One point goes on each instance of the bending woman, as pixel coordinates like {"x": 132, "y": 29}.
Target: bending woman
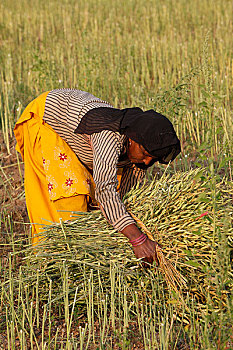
{"x": 74, "y": 145}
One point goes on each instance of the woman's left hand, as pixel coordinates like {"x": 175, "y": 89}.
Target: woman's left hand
{"x": 147, "y": 252}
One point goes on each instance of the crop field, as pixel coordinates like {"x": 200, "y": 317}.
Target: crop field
{"x": 83, "y": 288}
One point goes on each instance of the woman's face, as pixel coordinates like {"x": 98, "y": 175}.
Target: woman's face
{"x": 138, "y": 154}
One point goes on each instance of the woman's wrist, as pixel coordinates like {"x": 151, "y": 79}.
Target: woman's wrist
{"x": 138, "y": 241}
{"x": 132, "y": 232}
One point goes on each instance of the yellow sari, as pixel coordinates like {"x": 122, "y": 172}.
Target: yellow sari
{"x": 55, "y": 180}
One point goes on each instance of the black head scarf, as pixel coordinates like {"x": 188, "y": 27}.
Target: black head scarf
{"x": 150, "y": 129}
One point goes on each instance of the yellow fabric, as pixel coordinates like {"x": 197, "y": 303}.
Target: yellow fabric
{"x": 65, "y": 175}
{"x": 55, "y": 180}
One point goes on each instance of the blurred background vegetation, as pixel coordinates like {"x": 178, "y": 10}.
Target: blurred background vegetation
{"x": 172, "y": 56}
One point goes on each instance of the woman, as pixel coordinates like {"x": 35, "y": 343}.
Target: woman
{"x": 72, "y": 141}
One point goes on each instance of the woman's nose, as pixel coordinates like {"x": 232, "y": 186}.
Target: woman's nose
{"x": 147, "y": 160}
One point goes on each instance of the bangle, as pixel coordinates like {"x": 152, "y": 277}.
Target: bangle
{"x": 138, "y": 241}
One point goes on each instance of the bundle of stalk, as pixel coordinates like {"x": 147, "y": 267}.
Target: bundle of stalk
{"x": 187, "y": 213}
{"x": 173, "y": 278}
{"x": 190, "y": 215}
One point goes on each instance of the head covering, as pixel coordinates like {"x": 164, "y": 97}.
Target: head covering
{"x": 150, "y": 129}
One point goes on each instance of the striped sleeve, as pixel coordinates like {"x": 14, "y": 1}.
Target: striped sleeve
{"x": 107, "y": 147}
{"x": 131, "y": 176}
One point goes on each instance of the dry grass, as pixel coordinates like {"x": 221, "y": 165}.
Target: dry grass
{"x": 172, "y": 56}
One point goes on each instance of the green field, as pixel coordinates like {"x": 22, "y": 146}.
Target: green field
{"x": 175, "y": 57}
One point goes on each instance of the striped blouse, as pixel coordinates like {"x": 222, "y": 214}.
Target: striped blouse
{"x": 102, "y": 153}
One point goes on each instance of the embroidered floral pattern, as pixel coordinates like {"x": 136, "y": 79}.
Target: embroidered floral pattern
{"x": 86, "y": 183}
{"x": 50, "y": 186}
{"x": 65, "y": 175}
{"x": 69, "y": 182}
{"x": 62, "y": 156}
{"x": 46, "y": 163}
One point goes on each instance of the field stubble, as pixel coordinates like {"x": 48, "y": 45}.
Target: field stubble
{"x": 172, "y": 57}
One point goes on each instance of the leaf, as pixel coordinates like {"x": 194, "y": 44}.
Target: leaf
{"x": 199, "y": 175}
{"x": 223, "y": 162}
{"x": 209, "y": 219}
{"x": 205, "y": 93}
{"x": 218, "y": 96}
{"x": 203, "y": 198}
{"x": 188, "y": 252}
{"x": 198, "y": 164}
{"x": 199, "y": 233}
{"x": 192, "y": 263}
{"x": 173, "y": 301}
{"x": 204, "y": 146}
{"x": 218, "y": 195}
{"x": 203, "y": 104}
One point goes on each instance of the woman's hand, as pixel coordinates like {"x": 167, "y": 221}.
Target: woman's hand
{"x": 147, "y": 252}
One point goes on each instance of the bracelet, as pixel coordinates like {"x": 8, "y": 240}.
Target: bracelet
{"x": 138, "y": 241}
